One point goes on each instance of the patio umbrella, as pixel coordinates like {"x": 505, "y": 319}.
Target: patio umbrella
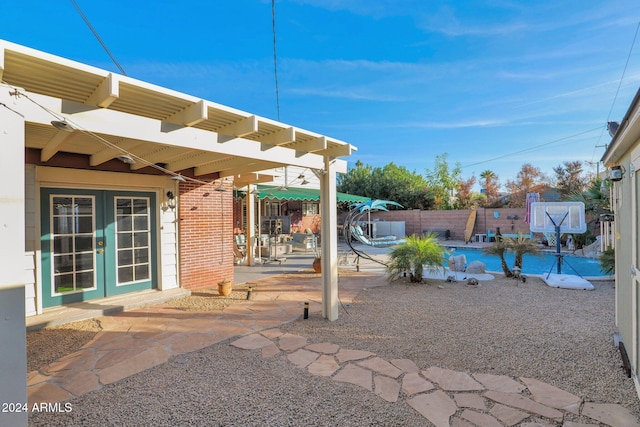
{"x": 531, "y": 198}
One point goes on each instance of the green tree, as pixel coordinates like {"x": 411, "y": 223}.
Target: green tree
{"x": 444, "y": 182}
{"x": 595, "y": 197}
{"x": 414, "y": 255}
{"x": 570, "y": 178}
{"x": 390, "y": 182}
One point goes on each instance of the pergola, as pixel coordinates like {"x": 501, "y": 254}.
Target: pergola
{"x": 51, "y": 106}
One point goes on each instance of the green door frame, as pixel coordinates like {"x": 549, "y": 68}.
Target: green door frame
{"x": 104, "y": 245}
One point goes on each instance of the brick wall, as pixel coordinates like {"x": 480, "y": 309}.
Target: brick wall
{"x": 206, "y": 233}
{"x": 416, "y": 221}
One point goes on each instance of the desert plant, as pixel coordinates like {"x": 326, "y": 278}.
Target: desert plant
{"x": 521, "y": 245}
{"x": 499, "y": 248}
{"x": 414, "y": 255}
{"x": 608, "y": 261}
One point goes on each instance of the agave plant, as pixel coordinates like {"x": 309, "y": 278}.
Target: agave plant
{"x": 499, "y": 248}
{"x": 415, "y": 255}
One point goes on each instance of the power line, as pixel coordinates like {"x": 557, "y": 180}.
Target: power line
{"x": 532, "y": 148}
{"x": 97, "y": 36}
{"x": 626, "y": 64}
{"x": 275, "y": 60}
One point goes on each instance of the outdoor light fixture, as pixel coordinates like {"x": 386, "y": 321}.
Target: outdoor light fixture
{"x": 62, "y": 125}
{"x": 178, "y": 178}
{"x": 516, "y": 272}
{"x": 171, "y": 203}
{"x": 616, "y": 173}
{"x": 255, "y": 192}
{"x": 607, "y": 217}
{"x": 125, "y": 158}
{"x": 304, "y": 182}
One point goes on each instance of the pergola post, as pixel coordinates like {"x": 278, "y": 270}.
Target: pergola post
{"x": 251, "y": 225}
{"x": 329, "y": 240}
{"x": 13, "y": 364}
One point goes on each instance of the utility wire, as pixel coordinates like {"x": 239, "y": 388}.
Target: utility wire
{"x": 531, "y": 148}
{"x": 97, "y": 36}
{"x": 626, "y": 64}
{"x": 275, "y": 57}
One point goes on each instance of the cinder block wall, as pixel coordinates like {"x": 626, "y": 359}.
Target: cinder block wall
{"x": 206, "y": 233}
{"x": 417, "y": 221}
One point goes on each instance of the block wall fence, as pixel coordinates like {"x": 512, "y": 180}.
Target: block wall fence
{"x": 417, "y": 221}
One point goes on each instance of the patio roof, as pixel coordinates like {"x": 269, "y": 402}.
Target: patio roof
{"x": 156, "y": 126}
{"x": 297, "y": 193}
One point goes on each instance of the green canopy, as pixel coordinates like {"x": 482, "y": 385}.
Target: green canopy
{"x": 308, "y": 194}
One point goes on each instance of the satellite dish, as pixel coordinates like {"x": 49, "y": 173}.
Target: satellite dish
{"x": 613, "y": 127}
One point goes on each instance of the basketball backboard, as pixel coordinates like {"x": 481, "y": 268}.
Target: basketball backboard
{"x": 545, "y": 216}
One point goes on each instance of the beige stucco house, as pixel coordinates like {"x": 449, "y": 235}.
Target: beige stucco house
{"x": 622, "y": 159}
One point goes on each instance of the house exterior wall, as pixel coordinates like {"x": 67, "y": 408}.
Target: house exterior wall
{"x": 37, "y": 177}
{"x": 624, "y": 153}
{"x": 13, "y": 363}
{"x": 206, "y": 234}
{"x": 622, "y": 198}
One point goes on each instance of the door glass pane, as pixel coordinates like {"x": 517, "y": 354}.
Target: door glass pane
{"x": 140, "y": 239}
{"x": 84, "y": 224}
{"x": 125, "y": 274}
{"x": 72, "y": 244}
{"x": 132, "y": 239}
{"x": 140, "y": 223}
{"x": 63, "y": 263}
{"x": 84, "y": 243}
{"x": 123, "y": 206}
{"x": 141, "y": 256}
{"x": 63, "y": 244}
{"x": 84, "y": 261}
{"x": 63, "y": 283}
{"x": 142, "y": 272}
{"x": 124, "y": 223}
{"x": 125, "y": 257}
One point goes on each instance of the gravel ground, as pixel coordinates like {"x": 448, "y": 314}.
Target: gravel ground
{"x": 50, "y": 344}
{"x": 561, "y": 337}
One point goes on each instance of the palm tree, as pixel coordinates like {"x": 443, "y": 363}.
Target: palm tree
{"x": 522, "y": 245}
{"x": 499, "y": 248}
{"x": 414, "y": 255}
{"x": 491, "y": 186}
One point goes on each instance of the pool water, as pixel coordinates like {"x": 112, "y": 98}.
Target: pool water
{"x": 534, "y": 264}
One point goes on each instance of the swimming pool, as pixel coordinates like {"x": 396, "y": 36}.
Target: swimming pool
{"x": 534, "y": 264}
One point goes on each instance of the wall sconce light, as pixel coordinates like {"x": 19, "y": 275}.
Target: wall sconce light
{"x": 616, "y": 173}
{"x": 171, "y": 202}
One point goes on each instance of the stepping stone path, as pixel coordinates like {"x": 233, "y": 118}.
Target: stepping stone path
{"x": 442, "y": 396}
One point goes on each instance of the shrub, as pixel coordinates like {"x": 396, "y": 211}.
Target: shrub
{"x": 608, "y": 261}
{"x": 414, "y": 255}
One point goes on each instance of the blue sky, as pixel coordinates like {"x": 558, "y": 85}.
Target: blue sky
{"x": 494, "y": 84}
